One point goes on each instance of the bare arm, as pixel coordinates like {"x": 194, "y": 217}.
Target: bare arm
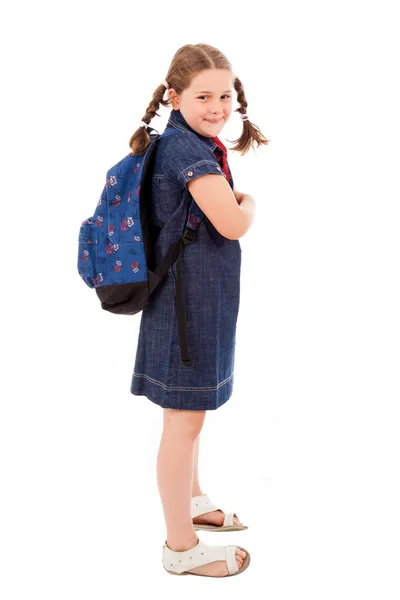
{"x": 248, "y": 207}
{"x": 238, "y": 195}
{"x": 218, "y": 201}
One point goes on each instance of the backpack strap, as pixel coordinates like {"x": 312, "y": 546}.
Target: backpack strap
{"x": 194, "y": 218}
{"x": 175, "y": 253}
{"x": 193, "y": 221}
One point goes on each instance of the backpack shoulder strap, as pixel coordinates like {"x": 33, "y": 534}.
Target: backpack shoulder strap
{"x": 195, "y": 215}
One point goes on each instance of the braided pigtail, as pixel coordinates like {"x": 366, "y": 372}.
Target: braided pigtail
{"x": 251, "y": 134}
{"x": 140, "y": 140}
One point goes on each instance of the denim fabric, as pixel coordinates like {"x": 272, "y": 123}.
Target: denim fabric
{"x": 211, "y": 279}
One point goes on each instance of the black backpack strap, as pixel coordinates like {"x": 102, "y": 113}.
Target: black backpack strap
{"x": 194, "y": 218}
{"x": 176, "y": 253}
{"x": 188, "y": 237}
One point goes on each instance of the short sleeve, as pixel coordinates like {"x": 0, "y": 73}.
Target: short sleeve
{"x": 186, "y": 157}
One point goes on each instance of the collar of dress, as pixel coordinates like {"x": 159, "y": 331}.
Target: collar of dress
{"x": 177, "y": 120}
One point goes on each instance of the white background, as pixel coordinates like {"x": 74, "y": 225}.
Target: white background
{"x": 307, "y": 449}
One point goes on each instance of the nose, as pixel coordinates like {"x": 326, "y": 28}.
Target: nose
{"x": 217, "y": 109}
{"x": 217, "y": 114}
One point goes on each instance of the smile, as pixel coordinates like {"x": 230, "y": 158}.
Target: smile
{"x": 213, "y": 122}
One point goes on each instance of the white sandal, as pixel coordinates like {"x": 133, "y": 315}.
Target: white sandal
{"x": 177, "y": 563}
{"x": 203, "y": 504}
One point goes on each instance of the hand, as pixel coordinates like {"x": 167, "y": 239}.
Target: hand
{"x": 238, "y": 195}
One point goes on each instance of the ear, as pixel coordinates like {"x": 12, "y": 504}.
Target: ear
{"x": 174, "y": 98}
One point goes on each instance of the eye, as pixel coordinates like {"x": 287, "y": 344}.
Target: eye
{"x": 225, "y": 96}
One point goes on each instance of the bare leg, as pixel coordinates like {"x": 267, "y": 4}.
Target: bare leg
{"x": 175, "y": 466}
{"x": 215, "y": 517}
{"x": 196, "y": 489}
{"x": 175, "y": 474}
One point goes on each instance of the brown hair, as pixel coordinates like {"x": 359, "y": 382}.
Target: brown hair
{"x": 186, "y": 64}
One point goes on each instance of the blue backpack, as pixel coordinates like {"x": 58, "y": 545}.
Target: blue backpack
{"x": 116, "y": 244}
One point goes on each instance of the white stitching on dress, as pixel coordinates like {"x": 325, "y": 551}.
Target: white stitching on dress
{"x": 177, "y": 125}
{"x": 197, "y": 165}
{"x": 202, "y": 389}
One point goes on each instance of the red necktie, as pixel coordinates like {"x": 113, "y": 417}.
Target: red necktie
{"x": 224, "y": 156}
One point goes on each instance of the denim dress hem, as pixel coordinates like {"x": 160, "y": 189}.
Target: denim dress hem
{"x": 190, "y": 399}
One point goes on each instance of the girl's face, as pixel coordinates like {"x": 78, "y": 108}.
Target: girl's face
{"x": 207, "y": 104}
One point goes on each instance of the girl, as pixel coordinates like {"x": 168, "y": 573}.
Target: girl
{"x": 193, "y": 164}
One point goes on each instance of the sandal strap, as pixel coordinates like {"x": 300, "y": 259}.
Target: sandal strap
{"x": 201, "y": 505}
{"x": 228, "y": 519}
{"x": 200, "y": 555}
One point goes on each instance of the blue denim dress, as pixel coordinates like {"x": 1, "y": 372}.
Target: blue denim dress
{"x": 211, "y": 279}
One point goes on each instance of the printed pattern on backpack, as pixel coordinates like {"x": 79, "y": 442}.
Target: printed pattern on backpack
{"x": 111, "y": 249}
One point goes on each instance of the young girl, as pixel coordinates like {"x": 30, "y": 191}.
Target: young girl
{"x": 193, "y": 164}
